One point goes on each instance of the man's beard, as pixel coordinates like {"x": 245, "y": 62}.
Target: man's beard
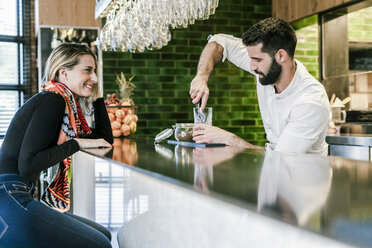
{"x": 272, "y": 76}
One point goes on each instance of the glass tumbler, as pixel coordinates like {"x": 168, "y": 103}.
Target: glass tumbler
{"x": 203, "y": 117}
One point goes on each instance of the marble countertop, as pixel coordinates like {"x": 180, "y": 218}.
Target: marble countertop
{"x": 330, "y": 196}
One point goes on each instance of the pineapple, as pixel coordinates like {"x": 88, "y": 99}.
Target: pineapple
{"x": 126, "y": 88}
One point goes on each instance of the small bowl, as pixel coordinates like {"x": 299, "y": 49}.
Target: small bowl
{"x": 183, "y": 131}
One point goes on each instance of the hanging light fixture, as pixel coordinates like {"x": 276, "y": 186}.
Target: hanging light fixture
{"x": 136, "y": 25}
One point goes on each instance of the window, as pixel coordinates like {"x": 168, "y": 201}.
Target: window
{"x": 14, "y": 58}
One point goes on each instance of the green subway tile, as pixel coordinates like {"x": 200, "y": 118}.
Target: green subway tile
{"x": 142, "y": 108}
{"x": 176, "y": 42}
{"x": 253, "y": 129}
{"x": 243, "y": 108}
{"x": 145, "y": 56}
{"x": 235, "y": 93}
{"x": 148, "y": 100}
{"x": 140, "y": 93}
{"x": 228, "y": 115}
{"x": 184, "y": 78}
{"x": 148, "y": 116}
{"x": 131, "y": 63}
{"x": 165, "y": 116}
{"x": 220, "y": 123}
{"x": 242, "y": 8}
{"x": 300, "y": 52}
{"x": 220, "y": 21}
{"x": 242, "y": 122}
{"x": 250, "y": 101}
{"x": 249, "y": 136}
{"x": 188, "y": 49}
{"x": 252, "y": 115}
{"x": 176, "y": 100}
{"x": 262, "y": 9}
{"x": 229, "y": 86}
{"x": 149, "y": 70}
{"x": 233, "y": 129}
{"x": 182, "y": 93}
{"x": 221, "y": 108}
{"x": 229, "y": 101}
{"x": 187, "y": 107}
{"x": 173, "y": 56}
{"x": 187, "y": 35}
{"x": 259, "y": 122}
{"x": 178, "y": 71}
{"x": 220, "y": 93}
{"x": 168, "y": 49}
{"x": 152, "y": 130}
{"x": 160, "y": 123}
{"x": 230, "y": 15}
{"x": 114, "y": 70}
{"x": 159, "y": 63}
{"x": 249, "y": 86}
{"x": 200, "y": 43}
{"x": 162, "y": 93}
{"x": 174, "y": 86}
{"x": 109, "y": 63}
{"x": 116, "y": 55}
{"x": 260, "y": 136}
{"x": 194, "y": 57}
{"x": 314, "y": 53}
{"x": 229, "y": 29}
{"x": 147, "y": 86}
{"x": 161, "y": 108}
{"x": 157, "y": 78}
{"x": 200, "y": 28}
{"x": 187, "y": 64}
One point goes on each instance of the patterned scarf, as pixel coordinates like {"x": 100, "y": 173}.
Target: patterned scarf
{"x": 57, "y": 194}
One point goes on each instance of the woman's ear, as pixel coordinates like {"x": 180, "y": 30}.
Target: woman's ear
{"x": 62, "y": 75}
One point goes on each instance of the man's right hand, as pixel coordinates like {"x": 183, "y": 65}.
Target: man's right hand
{"x": 199, "y": 90}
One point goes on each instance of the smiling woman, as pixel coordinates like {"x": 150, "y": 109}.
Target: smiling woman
{"x": 44, "y": 132}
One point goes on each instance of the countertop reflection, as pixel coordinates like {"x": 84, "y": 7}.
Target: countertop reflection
{"x": 331, "y": 196}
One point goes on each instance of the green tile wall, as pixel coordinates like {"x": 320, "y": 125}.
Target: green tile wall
{"x": 307, "y": 50}
{"x": 163, "y": 76}
{"x": 360, "y": 25}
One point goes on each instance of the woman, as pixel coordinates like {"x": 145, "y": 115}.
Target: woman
{"x": 46, "y": 131}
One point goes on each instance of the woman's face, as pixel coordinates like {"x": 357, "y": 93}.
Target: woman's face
{"x": 81, "y": 78}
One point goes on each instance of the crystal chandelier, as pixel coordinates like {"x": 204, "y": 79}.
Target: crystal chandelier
{"x": 136, "y": 25}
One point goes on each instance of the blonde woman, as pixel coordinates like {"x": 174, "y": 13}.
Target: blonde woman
{"x": 46, "y": 131}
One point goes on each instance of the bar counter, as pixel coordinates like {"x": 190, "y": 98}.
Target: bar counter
{"x": 176, "y": 196}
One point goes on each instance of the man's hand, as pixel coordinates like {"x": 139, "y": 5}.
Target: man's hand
{"x": 204, "y": 133}
{"x": 92, "y": 143}
{"x": 208, "y": 134}
{"x": 199, "y": 90}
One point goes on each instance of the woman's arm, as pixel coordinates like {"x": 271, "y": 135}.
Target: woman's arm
{"x": 39, "y": 149}
{"x": 102, "y": 122}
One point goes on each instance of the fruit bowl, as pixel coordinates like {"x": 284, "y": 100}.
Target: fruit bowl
{"x": 123, "y": 119}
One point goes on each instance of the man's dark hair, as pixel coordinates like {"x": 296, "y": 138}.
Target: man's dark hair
{"x": 274, "y": 34}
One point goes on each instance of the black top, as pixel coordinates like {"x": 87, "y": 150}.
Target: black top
{"x": 30, "y": 144}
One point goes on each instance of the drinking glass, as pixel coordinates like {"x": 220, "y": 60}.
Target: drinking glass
{"x": 203, "y": 117}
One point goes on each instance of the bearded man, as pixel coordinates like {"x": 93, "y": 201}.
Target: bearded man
{"x": 294, "y": 106}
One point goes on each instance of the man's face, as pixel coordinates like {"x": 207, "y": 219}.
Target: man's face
{"x": 266, "y": 67}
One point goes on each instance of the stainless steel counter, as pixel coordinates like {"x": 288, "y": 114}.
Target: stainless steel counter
{"x": 173, "y": 196}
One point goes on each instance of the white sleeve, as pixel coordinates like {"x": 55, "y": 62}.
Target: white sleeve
{"x": 233, "y": 50}
{"x": 307, "y": 123}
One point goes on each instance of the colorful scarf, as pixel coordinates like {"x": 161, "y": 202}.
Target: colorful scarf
{"x": 57, "y": 194}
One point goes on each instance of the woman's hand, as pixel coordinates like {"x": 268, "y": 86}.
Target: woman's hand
{"x": 92, "y": 143}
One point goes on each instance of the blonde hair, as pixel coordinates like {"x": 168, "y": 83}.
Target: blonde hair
{"x": 67, "y": 55}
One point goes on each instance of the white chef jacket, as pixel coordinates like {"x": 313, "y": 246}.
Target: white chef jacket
{"x": 295, "y": 120}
